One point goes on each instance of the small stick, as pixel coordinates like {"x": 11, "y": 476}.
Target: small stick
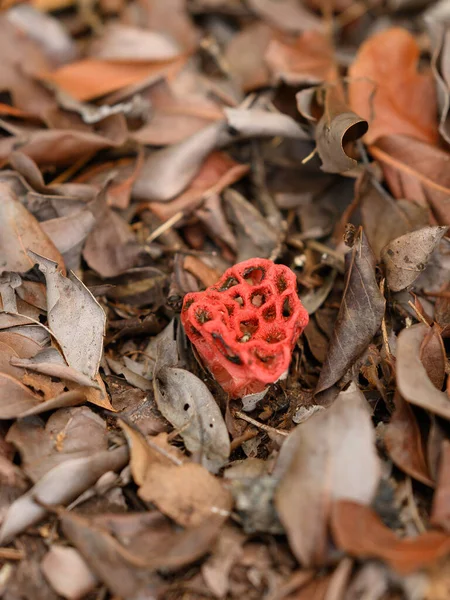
{"x": 165, "y": 226}
{"x": 241, "y": 415}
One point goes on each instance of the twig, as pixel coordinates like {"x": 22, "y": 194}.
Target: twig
{"x": 384, "y": 331}
{"x": 165, "y": 226}
{"x": 241, "y": 415}
{"x": 420, "y": 317}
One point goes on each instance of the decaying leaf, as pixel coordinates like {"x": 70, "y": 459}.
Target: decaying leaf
{"x": 386, "y": 89}
{"x": 359, "y": 317}
{"x": 359, "y": 531}
{"x": 75, "y": 317}
{"x": 330, "y": 457}
{"x": 69, "y": 433}
{"x": 185, "y": 401}
{"x": 405, "y": 444}
{"x": 67, "y": 572}
{"x": 440, "y": 515}
{"x": 407, "y": 256}
{"x": 60, "y": 485}
{"x": 412, "y": 378}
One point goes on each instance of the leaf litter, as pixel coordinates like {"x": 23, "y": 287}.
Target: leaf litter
{"x": 146, "y": 148}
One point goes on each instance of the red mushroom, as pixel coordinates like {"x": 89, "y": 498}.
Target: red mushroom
{"x": 245, "y": 326}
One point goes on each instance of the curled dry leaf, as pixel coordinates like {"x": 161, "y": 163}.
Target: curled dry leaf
{"x": 412, "y": 378}
{"x": 404, "y": 442}
{"x": 386, "y": 88}
{"x": 360, "y": 314}
{"x": 337, "y": 128}
{"x": 359, "y": 531}
{"x": 331, "y": 456}
{"x": 185, "y": 401}
{"x": 417, "y": 171}
{"x": 75, "y": 317}
{"x": 60, "y": 485}
{"x": 407, "y": 256}
{"x": 67, "y": 573}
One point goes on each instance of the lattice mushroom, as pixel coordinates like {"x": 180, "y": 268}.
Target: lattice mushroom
{"x": 245, "y": 326}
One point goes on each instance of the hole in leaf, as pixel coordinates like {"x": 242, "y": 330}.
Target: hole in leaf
{"x": 228, "y": 283}
{"x": 186, "y": 406}
{"x": 211, "y": 425}
{"x": 270, "y": 313}
{"x": 264, "y": 358}
{"x": 254, "y": 275}
{"x": 230, "y": 309}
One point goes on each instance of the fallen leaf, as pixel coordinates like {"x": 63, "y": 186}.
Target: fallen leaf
{"x": 219, "y": 171}
{"x": 386, "y": 89}
{"x": 20, "y": 231}
{"x": 186, "y": 493}
{"x": 440, "y": 513}
{"x": 336, "y": 129}
{"x": 417, "y": 171}
{"x": 67, "y": 572}
{"x": 412, "y": 379}
{"x": 407, "y": 256}
{"x": 432, "y": 355}
{"x": 50, "y": 362}
{"x": 331, "y": 456}
{"x": 15, "y": 398}
{"x": 404, "y": 442}
{"x": 166, "y": 173}
{"x": 385, "y": 218}
{"x": 90, "y": 78}
{"x": 69, "y": 433}
{"x": 245, "y": 56}
{"x": 286, "y": 15}
{"x": 308, "y": 59}
{"x": 262, "y": 123}
{"x": 359, "y": 531}
{"x": 75, "y": 317}
{"x": 124, "y": 43}
{"x": 225, "y": 554}
{"x": 60, "y": 485}
{"x": 185, "y": 401}
{"x": 440, "y": 42}
{"x": 360, "y": 314}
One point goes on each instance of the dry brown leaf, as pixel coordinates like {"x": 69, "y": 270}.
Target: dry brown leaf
{"x": 432, "y": 355}
{"x": 186, "y": 402}
{"x": 412, "y": 378}
{"x": 306, "y": 60}
{"x": 124, "y": 43}
{"x": 166, "y": 173}
{"x": 287, "y": 15}
{"x": 186, "y": 493}
{"x": 256, "y": 122}
{"x": 360, "y": 314}
{"x": 359, "y": 531}
{"x": 440, "y": 514}
{"x": 19, "y": 232}
{"x": 60, "y": 485}
{"x": 407, "y": 256}
{"x": 417, "y": 171}
{"x": 244, "y": 56}
{"x": 405, "y": 444}
{"x": 331, "y": 456}
{"x": 15, "y": 398}
{"x": 386, "y": 89}
{"x": 75, "y": 317}
{"x": 217, "y": 172}
{"x": 336, "y": 130}
{"x": 69, "y": 433}
{"x": 89, "y": 78}
{"x": 67, "y": 573}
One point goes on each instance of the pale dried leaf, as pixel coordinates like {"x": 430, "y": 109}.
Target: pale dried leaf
{"x": 67, "y": 573}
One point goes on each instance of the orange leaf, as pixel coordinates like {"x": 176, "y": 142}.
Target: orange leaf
{"x": 386, "y": 89}
{"x": 359, "y": 531}
{"x": 89, "y": 78}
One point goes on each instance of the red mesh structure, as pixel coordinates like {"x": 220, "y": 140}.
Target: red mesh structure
{"x": 245, "y": 326}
